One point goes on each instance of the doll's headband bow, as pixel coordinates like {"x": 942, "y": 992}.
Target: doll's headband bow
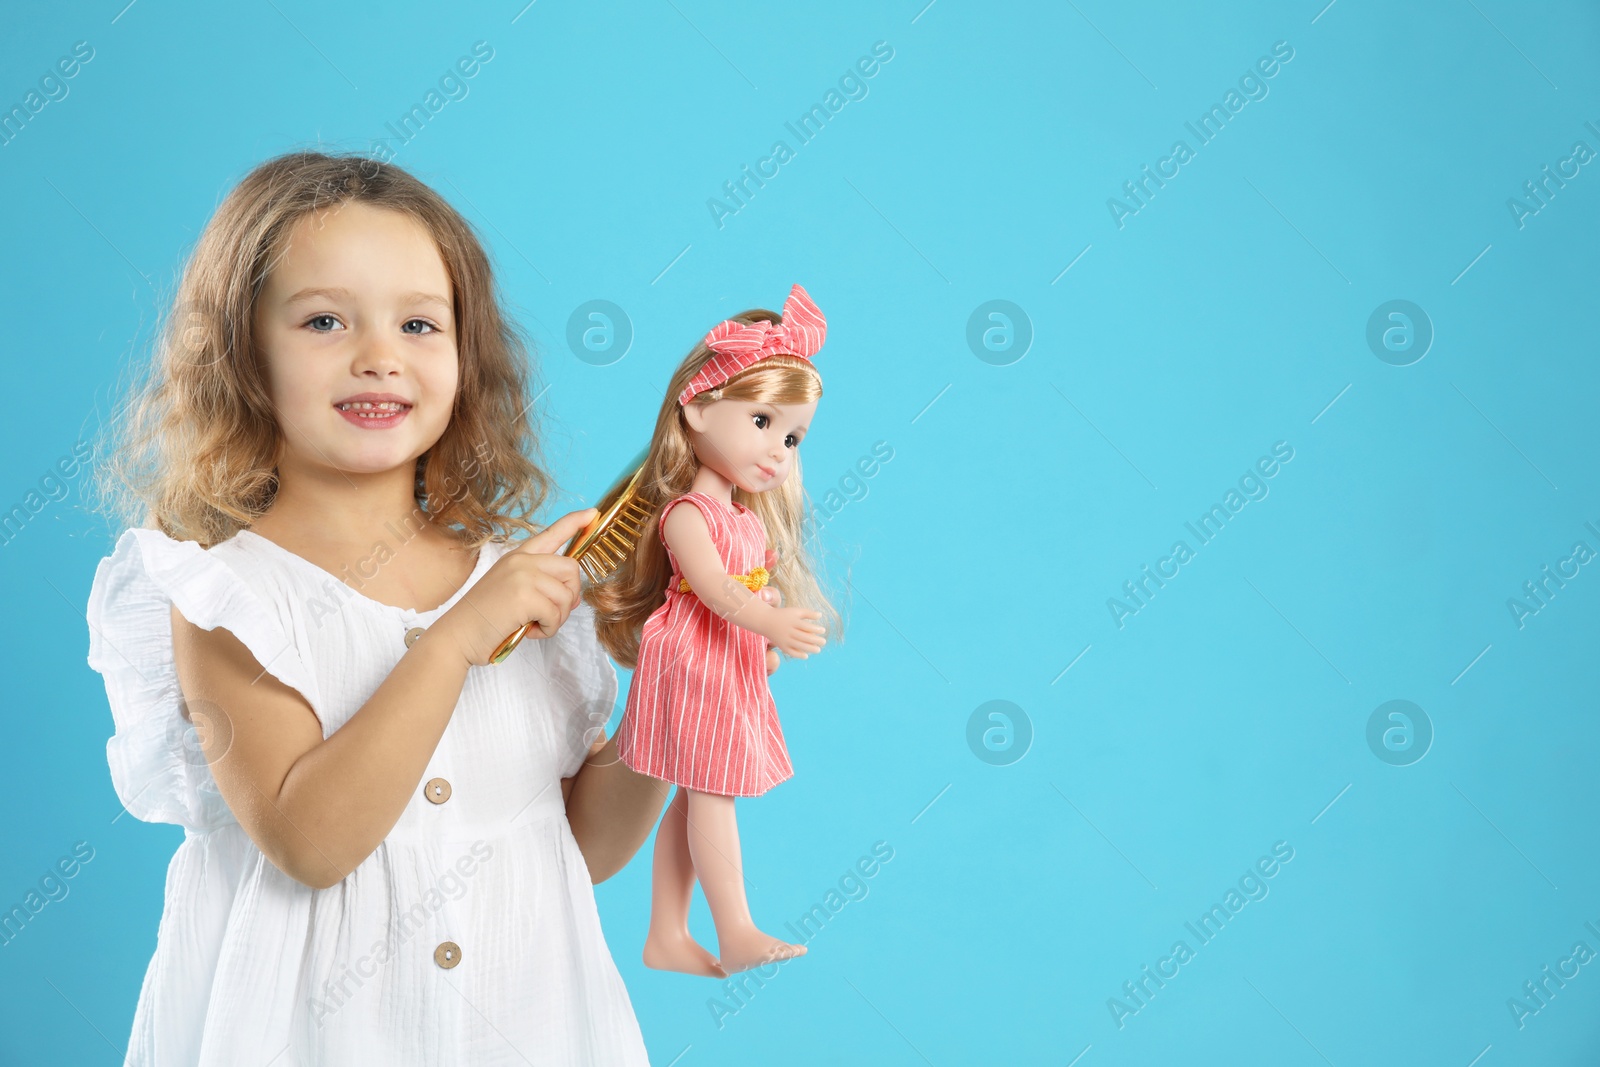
{"x": 740, "y": 344}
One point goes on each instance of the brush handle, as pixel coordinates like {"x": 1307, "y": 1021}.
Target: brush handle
{"x": 510, "y": 643}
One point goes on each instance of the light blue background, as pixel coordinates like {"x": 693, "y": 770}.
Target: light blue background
{"x": 1229, "y": 314}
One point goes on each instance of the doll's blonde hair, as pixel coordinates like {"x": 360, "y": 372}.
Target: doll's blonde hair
{"x": 637, "y": 587}
{"x": 194, "y": 446}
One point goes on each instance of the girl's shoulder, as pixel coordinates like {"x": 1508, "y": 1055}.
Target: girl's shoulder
{"x": 157, "y": 765}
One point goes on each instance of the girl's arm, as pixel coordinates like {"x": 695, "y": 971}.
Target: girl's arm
{"x": 611, "y": 808}
{"x": 316, "y": 808}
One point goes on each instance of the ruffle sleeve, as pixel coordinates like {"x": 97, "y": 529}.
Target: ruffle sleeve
{"x": 583, "y": 686}
{"x": 158, "y": 766}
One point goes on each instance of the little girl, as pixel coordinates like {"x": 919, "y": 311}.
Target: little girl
{"x": 683, "y": 612}
{"x": 389, "y": 843}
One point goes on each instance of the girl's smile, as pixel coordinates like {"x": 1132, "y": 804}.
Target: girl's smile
{"x": 374, "y": 411}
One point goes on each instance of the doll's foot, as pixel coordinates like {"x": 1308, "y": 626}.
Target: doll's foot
{"x": 680, "y": 952}
{"x": 749, "y": 948}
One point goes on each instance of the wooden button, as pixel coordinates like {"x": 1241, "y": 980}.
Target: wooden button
{"x": 447, "y": 955}
{"x": 412, "y": 635}
{"x": 437, "y": 790}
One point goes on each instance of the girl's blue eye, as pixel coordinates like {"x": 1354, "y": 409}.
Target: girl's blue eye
{"x": 424, "y": 322}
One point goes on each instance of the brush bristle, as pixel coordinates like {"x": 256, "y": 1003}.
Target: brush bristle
{"x": 615, "y": 540}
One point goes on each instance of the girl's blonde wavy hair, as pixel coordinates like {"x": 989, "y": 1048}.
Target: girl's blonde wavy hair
{"x": 194, "y": 445}
{"x": 637, "y": 587}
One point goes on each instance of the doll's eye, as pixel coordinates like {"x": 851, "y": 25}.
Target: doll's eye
{"x": 790, "y": 442}
{"x": 761, "y": 420}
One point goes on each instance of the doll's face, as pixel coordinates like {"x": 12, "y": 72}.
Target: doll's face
{"x": 360, "y": 302}
{"x": 751, "y": 444}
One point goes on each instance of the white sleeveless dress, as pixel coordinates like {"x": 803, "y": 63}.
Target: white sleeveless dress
{"x": 470, "y": 936}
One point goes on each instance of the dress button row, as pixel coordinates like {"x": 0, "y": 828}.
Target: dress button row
{"x": 437, "y": 790}
{"x": 448, "y": 954}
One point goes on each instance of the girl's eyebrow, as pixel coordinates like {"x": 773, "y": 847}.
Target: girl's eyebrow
{"x": 339, "y": 292}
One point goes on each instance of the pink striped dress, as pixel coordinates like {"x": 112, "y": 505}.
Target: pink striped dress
{"x": 699, "y": 712}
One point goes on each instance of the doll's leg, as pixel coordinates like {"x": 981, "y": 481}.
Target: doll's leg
{"x": 668, "y": 946}
{"x": 714, "y": 845}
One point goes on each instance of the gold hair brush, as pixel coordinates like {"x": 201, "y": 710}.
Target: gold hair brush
{"x": 603, "y": 544}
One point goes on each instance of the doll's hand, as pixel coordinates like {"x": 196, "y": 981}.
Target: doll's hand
{"x": 775, "y": 597}
{"x": 795, "y": 632}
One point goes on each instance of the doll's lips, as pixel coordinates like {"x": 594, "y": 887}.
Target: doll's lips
{"x": 767, "y": 473}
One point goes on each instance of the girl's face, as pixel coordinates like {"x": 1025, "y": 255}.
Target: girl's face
{"x": 751, "y": 444}
{"x": 360, "y": 303}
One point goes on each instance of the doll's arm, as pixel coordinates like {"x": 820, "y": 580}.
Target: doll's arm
{"x": 774, "y": 596}
{"x": 689, "y": 538}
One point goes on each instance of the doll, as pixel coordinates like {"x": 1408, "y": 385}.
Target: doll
{"x": 684, "y": 612}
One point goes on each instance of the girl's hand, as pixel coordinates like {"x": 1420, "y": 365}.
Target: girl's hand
{"x": 530, "y": 583}
{"x": 794, "y": 632}
{"x": 772, "y": 595}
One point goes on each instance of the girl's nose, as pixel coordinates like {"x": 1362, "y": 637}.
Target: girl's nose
{"x": 379, "y": 354}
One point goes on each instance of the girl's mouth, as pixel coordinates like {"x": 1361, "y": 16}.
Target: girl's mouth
{"x": 374, "y": 416}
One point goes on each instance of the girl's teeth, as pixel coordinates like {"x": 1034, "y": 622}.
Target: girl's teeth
{"x": 373, "y": 411}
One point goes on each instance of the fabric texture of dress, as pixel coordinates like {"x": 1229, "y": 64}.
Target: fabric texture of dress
{"x": 253, "y": 967}
{"x": 700, "y": 713}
